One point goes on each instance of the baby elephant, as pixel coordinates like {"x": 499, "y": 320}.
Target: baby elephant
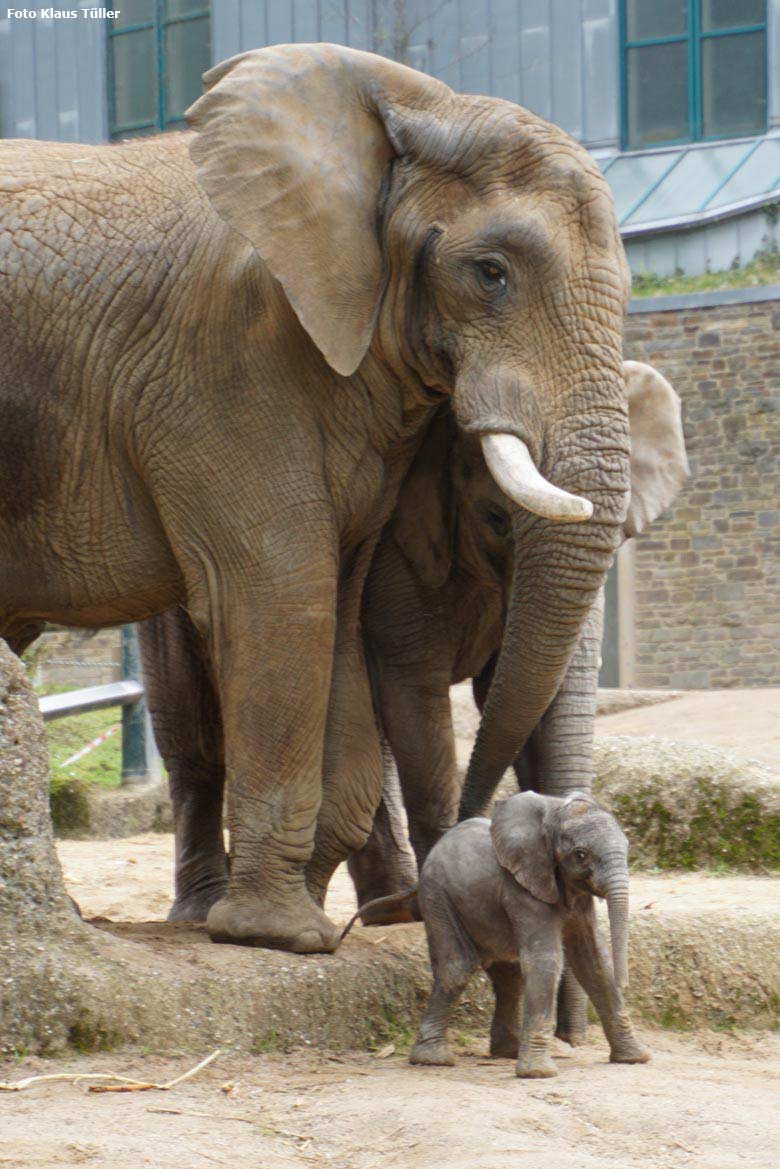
{"x": 513, "y": 895}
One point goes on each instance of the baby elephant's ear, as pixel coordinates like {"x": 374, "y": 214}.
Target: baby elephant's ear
{"x": 523, "y": 844}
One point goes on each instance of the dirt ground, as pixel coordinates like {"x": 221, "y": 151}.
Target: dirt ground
{"x": 747, "y": 721}
{"x": 705, "y": 1101}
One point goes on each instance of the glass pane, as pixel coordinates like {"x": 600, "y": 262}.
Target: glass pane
{"x": 657, "y": 92}
{"x": 630, "y": 177}
{"x": 733, "y": 84}
{"x": 135, "y": 77}
{"x": 133, "y": 12}
{"x": 175, "y": 8}
{"x": 188, "y": 56}
{"x": 656, "y": 18}
{"x": 731, "y": 13}
{"x": 691, "y": 182}
{"x": 760, "y": 174}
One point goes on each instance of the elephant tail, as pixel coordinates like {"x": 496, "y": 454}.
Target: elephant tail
{"x": 396, "y": 907}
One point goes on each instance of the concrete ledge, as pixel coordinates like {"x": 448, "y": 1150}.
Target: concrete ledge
{"x": 81, "y": 810}
{"x": 167, "y": 986}
{"x": 690, "y": 805}
{"x": 613, "y": 701}
{"x": 692, "y": 300}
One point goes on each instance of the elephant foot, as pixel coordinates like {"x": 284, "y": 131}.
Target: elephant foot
{"x": 504, "y": 1046}
{"x": 301, "y": 928}
{"x": 629, "y": 1051}
{"x": 535, "y": 1067}
{"x": 432, "y": 1053}
{"x": 195, "y": 905}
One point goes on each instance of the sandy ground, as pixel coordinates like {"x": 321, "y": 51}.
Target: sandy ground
{"x": 706, "y": 1101}
{"x": 747, "y": 721}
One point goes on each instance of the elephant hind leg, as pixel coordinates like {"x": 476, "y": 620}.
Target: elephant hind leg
{"x": 505, "y": 1028}
{"x": 453, "y": 961}
{"x": 385, "y": 864}
{"x": 188, "y": 728}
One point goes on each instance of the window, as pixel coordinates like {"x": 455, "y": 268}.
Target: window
{"x": 692, "y": 69}
{"x": 157, "y": 53}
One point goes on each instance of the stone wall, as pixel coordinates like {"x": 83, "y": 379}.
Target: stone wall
{"x": 707, "y": 575}
{"x": 76, "y": 658}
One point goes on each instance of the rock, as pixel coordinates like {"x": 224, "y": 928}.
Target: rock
{"x": 31, "y": 887}
{"x": 83, "y": 810}
{"x": 690, "y": 805}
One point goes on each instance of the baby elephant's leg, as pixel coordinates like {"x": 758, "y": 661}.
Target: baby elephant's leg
{"x": 541, "y": 963}
{"x": 589, "y": 959}
{"x": 505, "y": 1030}
{"x": 453, "y": 961}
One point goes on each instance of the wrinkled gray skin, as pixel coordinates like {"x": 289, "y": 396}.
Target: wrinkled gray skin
{"x": 433, "y": 613}
{"x": 435, "y": 607}
{"x": 220, "y": 352}
{"x": 514, "y": 896}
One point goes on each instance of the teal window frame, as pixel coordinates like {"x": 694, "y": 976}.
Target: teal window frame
{"x": 695, "y": 37}
{"x": 159, "y": 23}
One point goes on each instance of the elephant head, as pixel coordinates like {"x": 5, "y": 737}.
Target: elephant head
{"x": 470, "y": 250}
{"x": 558, "y": 849}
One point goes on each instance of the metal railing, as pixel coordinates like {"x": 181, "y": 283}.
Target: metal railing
{"x": 140, "y": 758}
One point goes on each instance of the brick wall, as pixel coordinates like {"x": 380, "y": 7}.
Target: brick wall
{"x": 75, "y": 658}
{"x": 707, "y": 593}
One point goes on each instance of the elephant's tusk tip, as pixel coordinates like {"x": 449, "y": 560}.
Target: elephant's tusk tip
{"x": 509, "y": 462}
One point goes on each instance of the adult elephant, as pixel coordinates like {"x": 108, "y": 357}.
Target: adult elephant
{"x": 440, "y": 591}
{"x": 434, "y": 610}
{"x": 221, "y": 351}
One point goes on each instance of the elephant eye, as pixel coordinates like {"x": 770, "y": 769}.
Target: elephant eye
{"x": 493, "y": 274}
{"x": 498, "y": 520}
{"x": 580, "y": 855}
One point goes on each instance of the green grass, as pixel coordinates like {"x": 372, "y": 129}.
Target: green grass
{"x": 102, "y": 765}
{"x": 764, "y": 269}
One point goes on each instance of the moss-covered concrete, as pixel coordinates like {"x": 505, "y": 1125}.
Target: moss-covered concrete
{"x": 81, "y": 810}
{"x": 690, "y": 805}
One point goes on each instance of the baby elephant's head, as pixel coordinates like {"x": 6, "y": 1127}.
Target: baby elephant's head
{"x": 558, "y": 848}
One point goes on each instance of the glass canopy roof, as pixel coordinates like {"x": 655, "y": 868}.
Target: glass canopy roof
{"x": 682, "y": 185}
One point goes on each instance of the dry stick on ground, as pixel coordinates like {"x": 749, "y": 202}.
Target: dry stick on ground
{"x": 120, "y": 1083}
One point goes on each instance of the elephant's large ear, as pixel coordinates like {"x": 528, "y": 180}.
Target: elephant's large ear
{"x": 423, "y": 523}
{"x": 659, "y": 464}
{"x": 523, "y": 844}
{"x": 292, "y": 147}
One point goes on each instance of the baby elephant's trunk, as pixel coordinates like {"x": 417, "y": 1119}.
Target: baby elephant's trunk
{"x": 393, "y": 903}
{"x": 616, "y": 891}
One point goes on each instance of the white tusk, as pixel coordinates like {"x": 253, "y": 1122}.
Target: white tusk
{"x": 513, "y": 469}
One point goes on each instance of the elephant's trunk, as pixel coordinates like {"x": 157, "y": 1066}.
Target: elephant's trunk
{"x": 616, "y": 889}
{"x": 556, "y": 581}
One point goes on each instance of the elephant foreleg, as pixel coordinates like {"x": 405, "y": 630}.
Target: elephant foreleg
{"x": 188, "y": 728}
{"x": 588, "y": 957}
